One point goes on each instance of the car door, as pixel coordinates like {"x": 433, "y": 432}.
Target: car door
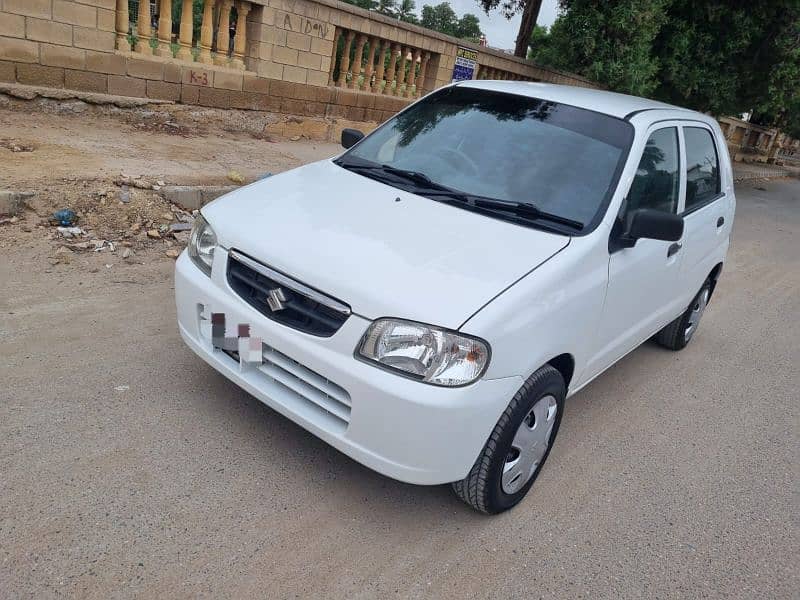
{"x": 642, "y": 279}
{"x": 707, "y": 209}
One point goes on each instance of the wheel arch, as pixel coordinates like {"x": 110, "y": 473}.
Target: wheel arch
{"x": 714, "y": 277}
{"x": 564, "y": 364}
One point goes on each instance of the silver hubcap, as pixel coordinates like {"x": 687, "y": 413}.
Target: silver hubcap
{"x": 529, "y": 445}
{"x": 698, "y": 307}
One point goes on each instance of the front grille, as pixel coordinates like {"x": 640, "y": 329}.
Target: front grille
{"x": 303, "y": 390}
{"x": 294, "y": 304}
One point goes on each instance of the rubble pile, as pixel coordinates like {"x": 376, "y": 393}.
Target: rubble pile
{"x": 122, "y": 217}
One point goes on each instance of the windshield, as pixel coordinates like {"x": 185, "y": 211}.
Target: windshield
{"x": 557, "y": 158}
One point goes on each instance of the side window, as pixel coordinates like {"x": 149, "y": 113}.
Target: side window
{"x": 657, "y": 181}
{"x": 702, "y": 167}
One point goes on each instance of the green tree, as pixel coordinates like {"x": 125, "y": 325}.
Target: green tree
{"x": 608, "y": 42}
{"x": 365, "y": 4}
{"x": 717, "y": 56}
{"x": 509, "y": 8}
{"x": 468, "y": 28}
{"x": 540, "y": 37}
{"x": 407, "y": 12}
{"x": 442, "y": 18}
{"x": 727, "y": 57}
{"x": 387, "y": 7}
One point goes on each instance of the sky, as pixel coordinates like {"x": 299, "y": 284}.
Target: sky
{"x": 500, "y": 32}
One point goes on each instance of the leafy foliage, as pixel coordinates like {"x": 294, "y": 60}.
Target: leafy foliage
{"x": 610, "y": 42}
{"x": 407, "y": 12}
{"x": 717, "y": 56}
{"x": 387, "y": 7}
{"x": 442, "y": 18}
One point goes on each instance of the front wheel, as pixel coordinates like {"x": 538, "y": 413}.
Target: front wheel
{"x": 518, "y": 446}
{"x": 679, "y": 332}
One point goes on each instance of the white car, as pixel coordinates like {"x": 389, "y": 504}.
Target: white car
{"x": 426, "y": 301}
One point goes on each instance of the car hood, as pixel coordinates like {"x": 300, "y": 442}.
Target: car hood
{"x": 383, "y": 251}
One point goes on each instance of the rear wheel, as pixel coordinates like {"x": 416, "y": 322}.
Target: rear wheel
{"x": 679, "y": 333}
{"x": 518, "y": 446}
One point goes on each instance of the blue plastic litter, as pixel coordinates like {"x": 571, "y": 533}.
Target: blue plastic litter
{"x": 65, "y": 216}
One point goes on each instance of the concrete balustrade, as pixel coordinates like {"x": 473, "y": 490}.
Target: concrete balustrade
{"x": 404, "y": 77}
{"x": 215, "y": 25}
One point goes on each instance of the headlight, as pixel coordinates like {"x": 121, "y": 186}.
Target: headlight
{"x": 201, "y": 244}
{"x": 424, "y": 352}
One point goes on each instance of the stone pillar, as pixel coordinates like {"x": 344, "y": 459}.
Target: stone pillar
{"x": 362, "y": 39}
{"x": 122, "y": 24}
{"x": 412, "y": 72}
{"x": 336, "y": 37}
{"x": 401, "y": 71}
{"x": 421, "y": 77}
{"x": 240, "y": 40}
{"x": 373, "y": 46}
{"x": 144, "y": 29}
{"x": 223, "y": 33}
{"x": 185, "y": 36}
{"x": 390, "y": 75}
{"x": 381, "y": 66}
{"x": 206, "y": 32}
{"x": 165, "y": 29}
{"x": 344, "y": 65}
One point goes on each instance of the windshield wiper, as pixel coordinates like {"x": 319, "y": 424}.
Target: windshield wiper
{"x": 416, "y": 177}
{"x": 428, "y": 187}
{"x": 520, "y": 209}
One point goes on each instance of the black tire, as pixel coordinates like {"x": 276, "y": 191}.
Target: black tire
{"x": 674, "y": 336}
{"x": 482, "y": 488}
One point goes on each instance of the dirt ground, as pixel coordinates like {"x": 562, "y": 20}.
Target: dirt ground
{"x": 88, "y": 159}
{"x": 131, "y": 469}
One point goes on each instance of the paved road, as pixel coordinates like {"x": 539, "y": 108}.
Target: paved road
{"x": 130, "y": 468}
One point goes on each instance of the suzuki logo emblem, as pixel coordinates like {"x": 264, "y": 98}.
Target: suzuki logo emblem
{"x": 276, "y": 299}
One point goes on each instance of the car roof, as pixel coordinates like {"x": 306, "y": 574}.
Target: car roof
{"x": 610, "y": 103}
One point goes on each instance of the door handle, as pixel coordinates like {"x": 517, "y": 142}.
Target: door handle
{"x": 673, "y": 249}
{"x": 720, "y": 221}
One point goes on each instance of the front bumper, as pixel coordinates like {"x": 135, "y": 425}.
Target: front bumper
{"x": 401, "y": 428}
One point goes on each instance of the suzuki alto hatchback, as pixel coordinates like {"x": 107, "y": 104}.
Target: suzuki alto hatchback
{"x": 426, "y": 301}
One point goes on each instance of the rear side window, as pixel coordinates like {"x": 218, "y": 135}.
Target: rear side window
{"x": 702, "y": 167}
{"x": 657, "y": 180}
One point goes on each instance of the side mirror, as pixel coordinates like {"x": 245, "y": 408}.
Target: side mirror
{"x": 647, "y": 223}
{"x": 350, "y": 137}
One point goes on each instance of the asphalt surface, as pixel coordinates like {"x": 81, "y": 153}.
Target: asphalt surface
{"x": 130, "y": 468}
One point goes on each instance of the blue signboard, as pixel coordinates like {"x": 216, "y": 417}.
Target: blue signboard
{"x": 466, "y": 63}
